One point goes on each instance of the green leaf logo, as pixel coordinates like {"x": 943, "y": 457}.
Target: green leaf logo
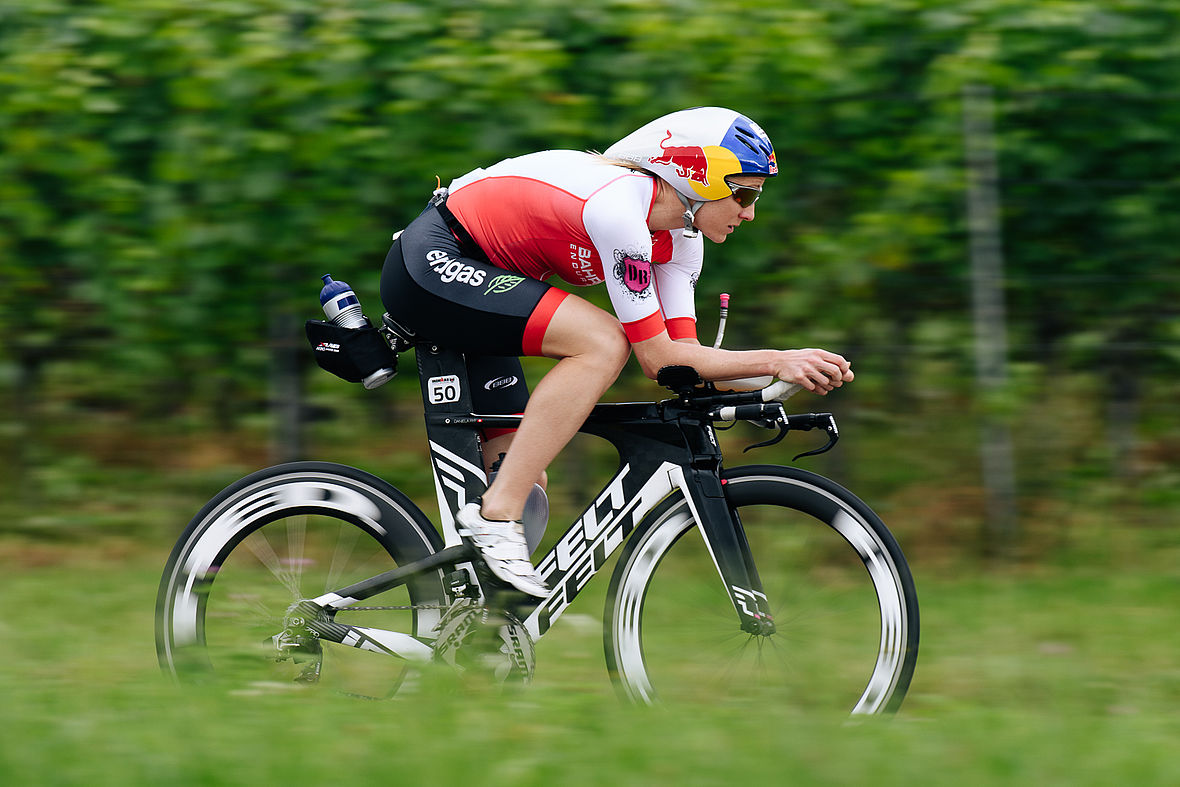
{"x": 502, "y": 283}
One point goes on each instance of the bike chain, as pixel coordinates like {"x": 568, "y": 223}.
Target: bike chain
{"x": 405, "y": 607}
{"x": 518, "y": 650}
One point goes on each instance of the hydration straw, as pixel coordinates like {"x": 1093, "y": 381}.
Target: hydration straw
{"x": 772, "y": 389}
{"x": 721, "y": 322}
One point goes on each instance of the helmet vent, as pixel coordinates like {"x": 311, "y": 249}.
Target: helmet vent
{"x": 749, "y": 140}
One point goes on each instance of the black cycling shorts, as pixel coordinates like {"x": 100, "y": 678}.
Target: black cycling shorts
{"x": 446, "y": 291}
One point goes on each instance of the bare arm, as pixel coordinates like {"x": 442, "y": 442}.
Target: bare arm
{"x": 818, "y": 371}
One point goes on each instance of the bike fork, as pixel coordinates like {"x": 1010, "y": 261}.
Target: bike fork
{"x": 726, "y": 541}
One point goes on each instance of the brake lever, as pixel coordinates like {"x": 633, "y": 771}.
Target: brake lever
{"x": 833, "y": 436}
{"x": 805, "y": 422}
{"x": 782, "y": 432}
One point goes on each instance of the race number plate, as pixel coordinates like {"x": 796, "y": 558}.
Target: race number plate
{"x": 441, "y": 390}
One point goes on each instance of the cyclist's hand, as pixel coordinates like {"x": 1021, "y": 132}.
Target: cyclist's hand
{"x": 819, "y": 371}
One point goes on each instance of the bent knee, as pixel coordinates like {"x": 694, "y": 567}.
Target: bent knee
{"x": 616, "y": 348}
{"x": 588, "y": 332}
{"x": 608, "y": 348}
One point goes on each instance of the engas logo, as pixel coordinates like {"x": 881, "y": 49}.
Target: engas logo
{"x": 450, "y": 269}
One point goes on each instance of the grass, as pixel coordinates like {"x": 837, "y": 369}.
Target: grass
{"x": 1045, "y": 676}
{"x": 1060, "y": 667}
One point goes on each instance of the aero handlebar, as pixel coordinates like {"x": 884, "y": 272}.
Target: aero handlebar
{"x": 772, "y": 390}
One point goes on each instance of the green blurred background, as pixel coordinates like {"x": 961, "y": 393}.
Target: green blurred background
{"x": 174, "y": 178}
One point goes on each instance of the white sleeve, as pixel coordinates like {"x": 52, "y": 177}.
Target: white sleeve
{"x": 616, "y": 221}
{"x": 676, "y": 282}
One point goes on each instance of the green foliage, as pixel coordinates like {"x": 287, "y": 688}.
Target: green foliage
{"x": 174, "y": 178}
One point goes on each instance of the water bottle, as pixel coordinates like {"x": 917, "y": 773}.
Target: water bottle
{"x": 342, "y": 307}
{"x": 341, "y": 304}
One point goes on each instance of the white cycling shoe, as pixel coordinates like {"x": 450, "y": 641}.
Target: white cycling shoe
{"x": 502, "y": 546}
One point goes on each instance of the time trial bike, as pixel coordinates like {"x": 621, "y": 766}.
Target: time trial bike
{"x": 761, "y": 581}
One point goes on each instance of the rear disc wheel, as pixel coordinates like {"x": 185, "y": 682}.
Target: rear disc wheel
{"x": 228, "y": 610}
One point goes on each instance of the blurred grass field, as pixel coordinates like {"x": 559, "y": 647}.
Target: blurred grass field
{"x": 1060, "y": 665}
{"x": 1062, "y": 675}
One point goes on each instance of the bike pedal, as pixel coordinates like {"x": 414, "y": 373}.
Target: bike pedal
{"x": 498, "y": 593}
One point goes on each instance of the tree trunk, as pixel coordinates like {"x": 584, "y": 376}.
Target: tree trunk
{"x": 988, "y": 317}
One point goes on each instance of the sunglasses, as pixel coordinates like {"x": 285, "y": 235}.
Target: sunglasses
{"x": 745, "y": 195}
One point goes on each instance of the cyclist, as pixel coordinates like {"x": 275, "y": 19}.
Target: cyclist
{"x": 469, "y": 273}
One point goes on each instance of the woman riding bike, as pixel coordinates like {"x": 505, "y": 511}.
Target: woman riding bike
{"x": 469, "y": 273}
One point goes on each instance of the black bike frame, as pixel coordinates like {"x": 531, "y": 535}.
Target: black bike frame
{"x": 663, "y": 447}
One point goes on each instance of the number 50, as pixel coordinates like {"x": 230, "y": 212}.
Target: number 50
{"x": 443, "y": 389}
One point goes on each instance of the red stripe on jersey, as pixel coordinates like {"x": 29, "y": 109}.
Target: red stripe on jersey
{"x": 682, "y": 328}
{"x": 538, "y": 322}
{"x": 641, "y": 330}
{"x": 661, "y": 246}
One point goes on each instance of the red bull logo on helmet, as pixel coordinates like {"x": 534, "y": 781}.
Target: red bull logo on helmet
{"x": 704, "y": 169}
{"x": 690, "y": 160}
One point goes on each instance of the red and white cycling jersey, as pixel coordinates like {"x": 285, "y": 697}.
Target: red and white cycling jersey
{"x": 571, "y": 214}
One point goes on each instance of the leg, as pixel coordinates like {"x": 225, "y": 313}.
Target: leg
{"x": 592, "y": 349}
{"x": 492, "y": 448}
{"x": 430, "y": 285}
{"x": 497, "y": 386}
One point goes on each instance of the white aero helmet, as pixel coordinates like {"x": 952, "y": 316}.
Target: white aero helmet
{"x": 695, "y": 150}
